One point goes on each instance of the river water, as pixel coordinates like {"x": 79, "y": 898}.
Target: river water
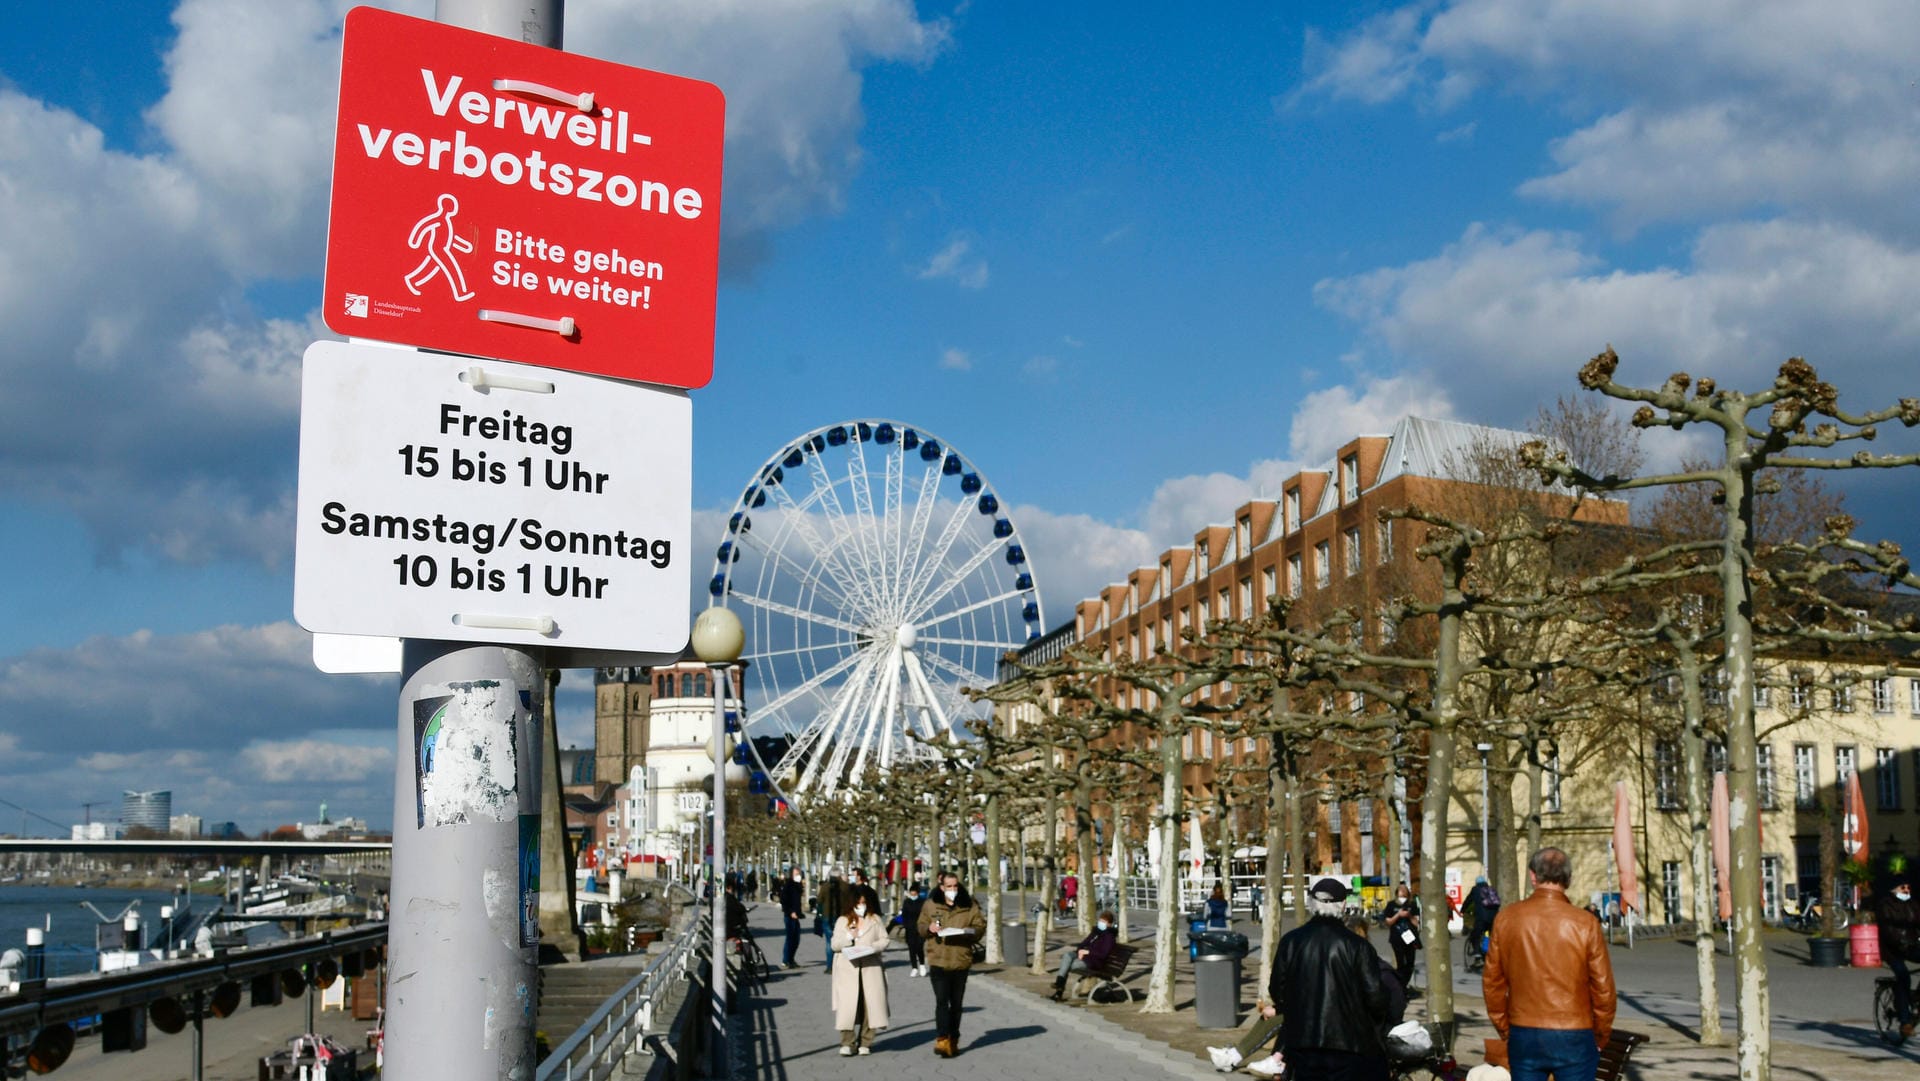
{"x": 70, "y": 925}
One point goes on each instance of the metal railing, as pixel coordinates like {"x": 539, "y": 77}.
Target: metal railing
{"x": 621, "y": 1025}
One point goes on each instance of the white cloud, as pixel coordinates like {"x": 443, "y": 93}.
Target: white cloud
{"x": 957, "y": 263}
{"x": 956, "y": 360}
{"x": 313, "y": 760}
{"x": 1328, "y": 418}
{"x": 1503, "y": 318}
{"x": 1696, "y": 111}
{"x": 1041, "y": 366}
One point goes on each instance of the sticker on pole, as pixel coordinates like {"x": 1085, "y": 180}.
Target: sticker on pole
{"x": 481, "y": 501}
{"x": 501, "y": 199}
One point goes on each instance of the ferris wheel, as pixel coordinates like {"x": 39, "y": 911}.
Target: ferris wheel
{"x": 877, "y": 576}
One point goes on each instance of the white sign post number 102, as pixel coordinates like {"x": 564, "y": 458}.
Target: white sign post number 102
{"x": 478, "y": 500}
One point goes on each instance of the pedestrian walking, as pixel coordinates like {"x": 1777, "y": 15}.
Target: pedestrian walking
{"x": 1897, "y": 915}
{"x": 1090, "y": 954}
{"x": 753, "y": 883}
{"x": 832, "y": 904}
{"x": 1326, "y": 987}
{"x": 860, "y": 984}
{"x": 1401, "y": 918}
{"x": 1219, "y": 916}
{"x": 858, "y": 886}
{"x": 1479, "y": 909}
{"x": 1549, "y": 981}
{"x": 910, "y": 921}
{"x": 793, "y": 900}
{"x": 952, "y": 923}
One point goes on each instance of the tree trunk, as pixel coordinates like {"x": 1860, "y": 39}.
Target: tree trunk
{"x": 1020, "y": 842}
{"x": 1049, "y": 882}
{"x": 995, "y": 887}
{"x": 1120, "y": 881}
{"x": 1296, "y": 845}
{"x": 1391, "y": 800}
{"x": 1699, "y": 827}
{"x": 1434, "y": 909}
{"x": 1223, "y": 836}
{"x": 1167, "y": 912}
{"x": 934, "y": 854}
{"x": 1755, "y": 1050}
{"x": 1084, "y": 849}
{"x": 1270, "y": 888}
{"x": 1503, "y": 870}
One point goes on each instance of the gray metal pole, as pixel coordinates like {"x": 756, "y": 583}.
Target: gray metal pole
{"x": 463, "y": 925}
{"x": 718, "y": 1057}
{"x": 463, "y": 936}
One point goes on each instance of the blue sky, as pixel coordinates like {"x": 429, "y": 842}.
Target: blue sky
{"x": 1136, "y": 265}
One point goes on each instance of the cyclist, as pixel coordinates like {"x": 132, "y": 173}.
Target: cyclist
{"x": 1898, "y": 916}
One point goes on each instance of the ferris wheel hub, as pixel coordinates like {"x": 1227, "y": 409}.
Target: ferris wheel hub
{"x": 906, "y": 635}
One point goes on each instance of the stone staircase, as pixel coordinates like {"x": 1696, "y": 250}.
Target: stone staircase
{"x": 569, "y": 993}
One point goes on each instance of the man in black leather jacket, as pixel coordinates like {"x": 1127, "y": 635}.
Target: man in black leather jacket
{"x": 1326, "y": 986}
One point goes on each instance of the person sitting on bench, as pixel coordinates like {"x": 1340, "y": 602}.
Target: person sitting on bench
{"x": 1089, "y": 955}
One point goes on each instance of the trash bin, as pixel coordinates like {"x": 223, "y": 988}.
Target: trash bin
{"x": 1013, "y": 943}
{"x": 1216, "y": 977}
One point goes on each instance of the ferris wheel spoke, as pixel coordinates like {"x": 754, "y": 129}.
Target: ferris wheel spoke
{"x": 977, "y": 643}
{"x": 877, "y": 719}
{"x": 846, "y": 542}
{"x": 914, "y": 541}
{"x": 800, "y": 520}
{"x": 872, "y": 546}
{"x": 827, "y": 749}
{"x": 986, "y": 602}
{"x": 892, "y": 710}
{"x": 810, "y": 684}
{"x": 933, "y": 563}
{"x": 960, "y": 575}
{"x": 964, "y": 676}
{"x": 896, "y": 482}
{"x": 767, "y": 604}
{"x": 929, "y": 701}
{"x": 804, "y": 575}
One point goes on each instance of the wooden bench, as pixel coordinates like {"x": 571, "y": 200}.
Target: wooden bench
{"x": 1109, "y": 973}
{"x": 1613, "y": 1057}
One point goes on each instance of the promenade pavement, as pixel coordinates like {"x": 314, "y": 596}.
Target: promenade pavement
{"x": 1821, "y": 1029}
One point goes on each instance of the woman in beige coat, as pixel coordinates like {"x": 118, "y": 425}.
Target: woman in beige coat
{"x": 859, "y": 985}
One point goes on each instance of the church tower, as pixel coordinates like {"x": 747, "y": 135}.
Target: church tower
{"x": 621, "y": 701}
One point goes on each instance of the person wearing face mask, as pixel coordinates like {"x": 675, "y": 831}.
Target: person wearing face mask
{"x": 910, "y": 921}
{"x": 793, "y": 905}
{"x": 1898, "y": 916}
{"x": 858, "y": 887}
{"x": 1090, "y": 954}
{"x": 951, "y": 923}
{"x": 859, "y": 983}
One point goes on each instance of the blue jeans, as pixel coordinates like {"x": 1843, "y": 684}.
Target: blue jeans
{"x": 1567, "y": 1054}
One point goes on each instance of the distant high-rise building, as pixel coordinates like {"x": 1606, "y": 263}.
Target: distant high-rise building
{"x": 147, "y": 810}
{"x": 184, "y": 825}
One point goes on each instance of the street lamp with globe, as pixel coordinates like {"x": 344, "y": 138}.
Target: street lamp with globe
{"x": 717, "y": 641}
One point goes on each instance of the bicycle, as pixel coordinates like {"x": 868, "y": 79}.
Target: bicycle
{"x": 754, "y": 967}
{"x": 1886, "y": 1019}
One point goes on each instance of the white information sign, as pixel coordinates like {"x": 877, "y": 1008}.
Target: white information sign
{"x": 693, "y": 802}
{"x": 476, "y": 500}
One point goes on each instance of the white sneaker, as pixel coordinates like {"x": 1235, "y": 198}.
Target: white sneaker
{"x": 1225, "y": 1059}
{"x": 866, "y": 1050}
{"x": 846, "y": 1052}
{"x": 1271, "y": 1066}
{"x": 923, "y": 970}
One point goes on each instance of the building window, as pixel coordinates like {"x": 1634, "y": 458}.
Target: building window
{"x": 1322, "y": 564}
{"x": 1716, "y": 756}
{"x": 1293, "y": 510}
{"x": 1799, "y": 690}
{"x": 1714, "y": 686}
{"x": 1805, "y": 779}
{"x": 1245, "y": 537}
{"x": 1353, "y": 551}
{"x": 1883, "y": 695}
{"x": 1913, "y": 696}
{"x": 1206, "y": 615}
{"x": 1770, "y": 887}
{"x": 1886, "y": 768}
{"x": 1294, "y": 576}
{"x": 1246, "y": 597}
{"x": 1763, "y": 767}
{"x": 1666, "y": 775}
{"x": 1226, "y": 604}
{"x": 1166, "y": 632}
{"x": 1846, "y": 761}
{"x": 1670, "y": 890}
{"x": 1843, "y": 698}
{"x": 1350, "y": 478}
{"x": 1268, "y": 585}
{"x": 1200, "y": 556}
{"x": 1762, "y": 695}
{"x": 1383, "y": 541}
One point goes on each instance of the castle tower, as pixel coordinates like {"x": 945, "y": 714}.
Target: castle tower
{"x": 621, "y": 701}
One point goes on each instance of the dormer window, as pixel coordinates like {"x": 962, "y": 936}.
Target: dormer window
{"x": 1350, "y": 478}
{"x": 1292, "y": 511}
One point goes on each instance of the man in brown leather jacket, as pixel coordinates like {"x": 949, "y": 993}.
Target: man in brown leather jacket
{"x": 1549, "y": 981}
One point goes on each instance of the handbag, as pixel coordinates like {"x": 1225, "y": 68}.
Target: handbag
{"x": 979, "y": 952}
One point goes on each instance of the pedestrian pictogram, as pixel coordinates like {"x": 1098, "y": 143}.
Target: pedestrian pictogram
{"x": 436, "y": 236}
